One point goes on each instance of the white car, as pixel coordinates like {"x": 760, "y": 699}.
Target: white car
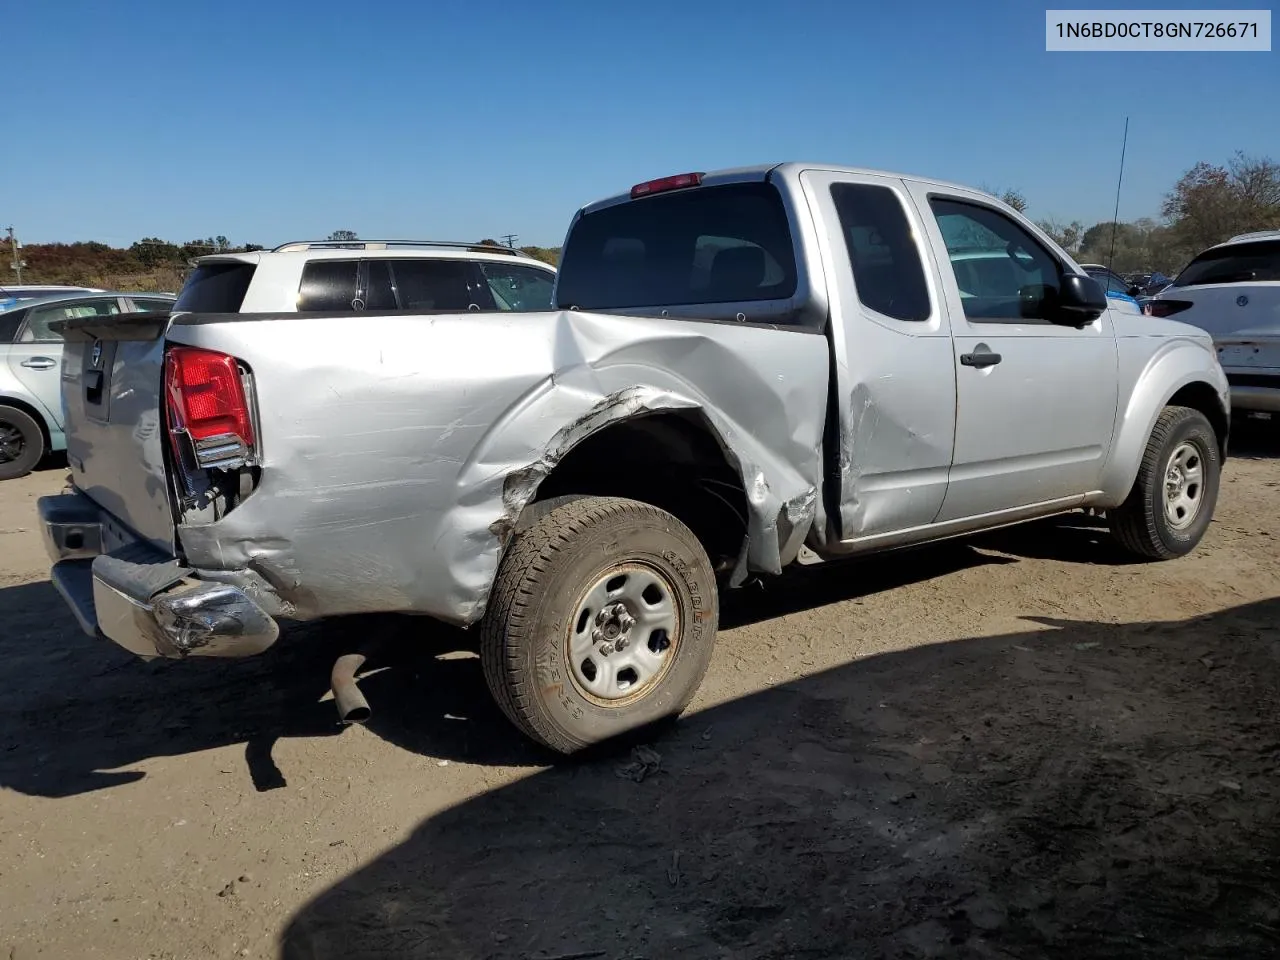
{"x": 11, "y": 296}
{"x": 1232, "y": 290}
{"x": 368, "y": 276}
{"x": 31, "y": 414}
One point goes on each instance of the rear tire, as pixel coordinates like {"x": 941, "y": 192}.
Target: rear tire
{"x": 601, "y": 622}
{"x": 21, "y": 443}
{"x": 1173, "y": 498}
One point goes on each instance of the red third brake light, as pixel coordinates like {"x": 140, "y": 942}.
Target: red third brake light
{"x": 678, "y": 182}
{"x": 206, "y": 395}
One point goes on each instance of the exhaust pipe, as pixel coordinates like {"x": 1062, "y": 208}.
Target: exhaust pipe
{"x": 351, "y": 704}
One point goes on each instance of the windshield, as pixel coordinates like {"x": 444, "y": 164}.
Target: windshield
{"x": 706, "y": 245}
{"x": 1237, "y": 263}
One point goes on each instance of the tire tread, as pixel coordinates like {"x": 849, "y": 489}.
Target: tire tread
{"x": 1133, "y": 524}
{"x": 34, "y": 436}
{"x": 526, "y": 562}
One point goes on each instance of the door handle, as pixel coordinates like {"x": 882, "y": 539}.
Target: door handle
{"x": 40, "y": 363}
{"x": 981, "y": 357}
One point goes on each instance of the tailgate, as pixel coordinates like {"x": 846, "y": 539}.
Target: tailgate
{"x": 112, "y": 380}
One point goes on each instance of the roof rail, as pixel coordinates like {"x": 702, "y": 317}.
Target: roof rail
{"x": 1255, "y": 235}
{"x": 384, "y": 244}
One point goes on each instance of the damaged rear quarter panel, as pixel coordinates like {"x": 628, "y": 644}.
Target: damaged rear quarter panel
{"x": 398, "y": 451}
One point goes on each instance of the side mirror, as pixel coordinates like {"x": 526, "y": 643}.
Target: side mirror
{"x": 1081, "y": 300}
{"x": 1134, "y": 291}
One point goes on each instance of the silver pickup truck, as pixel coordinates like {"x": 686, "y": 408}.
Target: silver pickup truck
{"x": 743, "y": 370}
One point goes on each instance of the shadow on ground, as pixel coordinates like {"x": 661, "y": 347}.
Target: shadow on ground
{"x": 1255, "y": 439}
{"x": 81, "y": 711}
{"x": 1089, "y": 790}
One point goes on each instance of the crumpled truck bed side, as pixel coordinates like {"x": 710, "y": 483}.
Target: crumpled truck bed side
{"x": 398, "y": 451}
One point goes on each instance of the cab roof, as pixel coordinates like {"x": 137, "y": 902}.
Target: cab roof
{"x": 791, "y": 168}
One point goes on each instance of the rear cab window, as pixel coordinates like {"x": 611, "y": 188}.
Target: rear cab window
{"x": 1253, "y": 262}
{"x": 217, "y": 287}
{"x": 700, "y": 246}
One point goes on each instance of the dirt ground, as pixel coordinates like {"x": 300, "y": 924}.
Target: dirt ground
{"x": 1021, "y": 746}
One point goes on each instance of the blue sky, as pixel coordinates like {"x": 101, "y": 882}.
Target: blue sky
{"x": 279, "y": 120}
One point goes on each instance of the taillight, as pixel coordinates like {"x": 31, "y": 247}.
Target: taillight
{"x": 207, "y": 402}
{"x": 678, "y": 182}
{"x": 1165, "y": 308}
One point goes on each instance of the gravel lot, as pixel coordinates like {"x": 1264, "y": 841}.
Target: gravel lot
{"x": 1021, "y": 746}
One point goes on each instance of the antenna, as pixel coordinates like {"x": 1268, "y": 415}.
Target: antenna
{"x": 1115, "y": 218}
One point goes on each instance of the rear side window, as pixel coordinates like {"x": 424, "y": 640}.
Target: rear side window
{"x": 377, "y": 293}
{"x": 436, "y": 285}
{"x": 704, "y": 245}
{"x": 39, "y": 318}
{"x": 10, "y": 321}
{"x": 885, "y": 259}
{"x": 517, "y": 287}
{"x": 328, "y": 285}
{"x": 152, "y": 306}
{"x": 215, "y": 288}
{"x": 1239, "y": 263}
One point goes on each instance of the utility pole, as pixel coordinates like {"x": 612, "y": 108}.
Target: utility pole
{"x": 510, "y": 238}
{"x": 17, "y": 264}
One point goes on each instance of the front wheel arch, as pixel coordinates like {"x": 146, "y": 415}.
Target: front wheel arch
{"x": 1187, "y": 387}
{"x": 1148, "y": 523}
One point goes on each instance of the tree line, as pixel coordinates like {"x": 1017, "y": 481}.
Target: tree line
{"x": 1208, "y": 204}
{"x": 150, "y": 263}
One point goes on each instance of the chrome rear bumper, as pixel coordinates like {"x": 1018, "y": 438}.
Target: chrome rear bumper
{"x": 145, "y": 602}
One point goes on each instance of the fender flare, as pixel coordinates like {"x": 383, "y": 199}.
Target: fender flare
{"x": 1177, "y": 365}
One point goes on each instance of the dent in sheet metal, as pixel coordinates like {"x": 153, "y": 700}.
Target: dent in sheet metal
{"x": 396, "y": 467}
{"x": 880, "y": 443}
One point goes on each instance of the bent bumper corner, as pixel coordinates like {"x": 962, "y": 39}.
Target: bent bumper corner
{"x": 144, "y": 602}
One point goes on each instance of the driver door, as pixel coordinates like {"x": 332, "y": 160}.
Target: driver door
{"x": 1035, "y": 401}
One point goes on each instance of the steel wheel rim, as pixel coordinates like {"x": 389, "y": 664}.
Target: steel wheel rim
{"x": 624, "y": 634}
{"x": 1183, "y": 485}
{"x": 12, "y": 443}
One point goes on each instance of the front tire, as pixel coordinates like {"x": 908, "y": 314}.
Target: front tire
{"x": 1173, "y": 498}
{"x": 602, "y": 621}
{"x": 21, "y": 443}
